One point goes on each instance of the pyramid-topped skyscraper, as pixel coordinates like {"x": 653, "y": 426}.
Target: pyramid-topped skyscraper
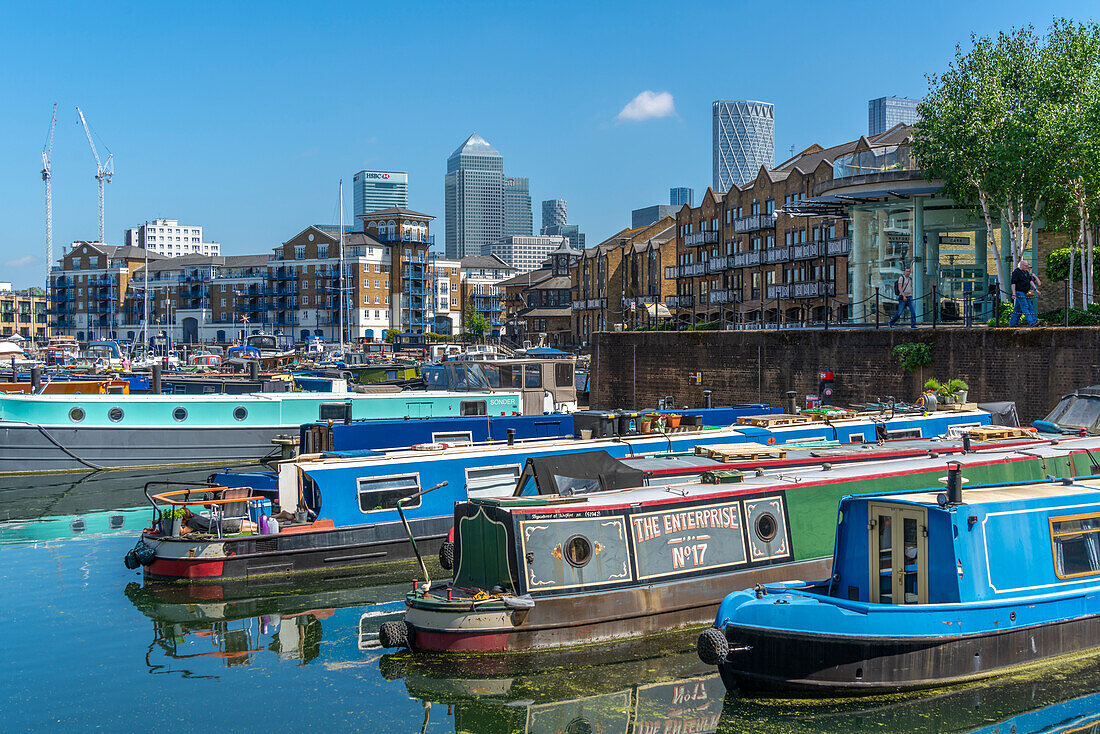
{"x": 473, "y": 191}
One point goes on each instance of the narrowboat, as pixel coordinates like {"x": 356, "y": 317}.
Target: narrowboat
{"x": 928, "y": 588}
{"x": 347, "y": 511}
{"x": 45, "y": 433}
{"x": 583, "y": 552}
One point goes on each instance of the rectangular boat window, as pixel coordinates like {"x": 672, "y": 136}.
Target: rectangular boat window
{"x": 532, "y": 375}
{"x": 509, "y": 375}
{"x": 453, "y": 438}
{"x": 472, "y": 407}
{"x": 492, "y": 481}
{"x": 1076, "y": 543}
{"x": 382, "y": 493}
{"x": 563, "y": 375}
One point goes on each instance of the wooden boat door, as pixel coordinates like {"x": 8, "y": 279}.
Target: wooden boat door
{"x": 898, "y": 543}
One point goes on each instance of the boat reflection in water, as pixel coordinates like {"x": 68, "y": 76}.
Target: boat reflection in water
{"x": 237, "y": 630}
{"x": 1063, "y": 696}
{"x": 668, "y": 693}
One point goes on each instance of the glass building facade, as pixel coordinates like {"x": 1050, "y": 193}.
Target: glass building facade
{"x": 473, "y": 192}
{"x": 374, "y": 190}
{"x": 744, "y": 140}
{"x": 518, "y": 219}
{"x": 885, "y": 112}
{"x": 553, "y": 213}
{"x": 681, "y": 195}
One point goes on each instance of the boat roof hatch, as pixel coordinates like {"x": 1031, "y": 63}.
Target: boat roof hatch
{"x": 579, "y": 473}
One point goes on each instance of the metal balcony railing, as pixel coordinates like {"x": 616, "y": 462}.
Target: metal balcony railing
{"x": 747, "y": 259}
{"x": 838, "y": 246}
{"x": 730, "y": 295}
{"x": 685, "y": 301}
{"x": 701, "y": 238}
{"x": 718, "y": 264}
{"x": 777, "y": 255}
{"x": 753, "y": 223}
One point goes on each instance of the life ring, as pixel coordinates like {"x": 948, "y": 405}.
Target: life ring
{"x": 429, "y": 446}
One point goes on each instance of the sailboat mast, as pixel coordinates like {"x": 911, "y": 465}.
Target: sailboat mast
{"x": 340, "y": 280}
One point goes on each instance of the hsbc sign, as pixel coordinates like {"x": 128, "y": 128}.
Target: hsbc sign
{"x": 387, "y": 176}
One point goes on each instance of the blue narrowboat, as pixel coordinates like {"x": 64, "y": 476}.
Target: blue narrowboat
{"x": 928, "y": 588}
{"x": 345, "y": 506}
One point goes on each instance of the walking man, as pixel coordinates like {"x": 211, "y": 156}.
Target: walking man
{"x": 903, "y": 288}
{"x": 1022, "y": 294}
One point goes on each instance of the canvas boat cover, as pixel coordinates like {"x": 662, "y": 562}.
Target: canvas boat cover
{"x": 1003, "y": 414}
{"x": 579, "y": 473}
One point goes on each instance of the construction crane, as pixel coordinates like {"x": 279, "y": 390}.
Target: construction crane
{"x": 47, "y": 151}
{"x": 104, "y": 171}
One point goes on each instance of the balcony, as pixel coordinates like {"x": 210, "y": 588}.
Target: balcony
{"x": 754, "y": 223}
{"x": 837, "y": 246}
{"x": 686, "y": 301}
{"x": 637, "y": 301}
{"x": 590, "y": 304}
{"x": 701, "y": 238}
{"x": 807, "y": 251}
{"x": 389, "y": 238}
{"x": 281, "y": 274}
{"x": 801, "y": 289}
{"x": 413, "y": 290}
{"x": 730, "y": 295}
{"x": 718, "y": 264}
{"x": 413, "y": 273}
{"x": 747, "y": 259}
{"x": 777, "y": 255}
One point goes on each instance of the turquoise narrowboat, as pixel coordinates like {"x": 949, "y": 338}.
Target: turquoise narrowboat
{"x": 928, "y": 588}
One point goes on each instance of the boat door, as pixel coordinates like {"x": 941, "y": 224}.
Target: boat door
{"x": 898, "y": 541}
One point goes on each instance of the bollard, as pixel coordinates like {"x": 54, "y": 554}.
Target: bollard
{"x": 156, "y": 378}
{"x": 36, "y": 379}
{"x": 706, "y": 398}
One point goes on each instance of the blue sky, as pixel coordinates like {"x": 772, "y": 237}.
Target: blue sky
{"x": 241, "y": 117}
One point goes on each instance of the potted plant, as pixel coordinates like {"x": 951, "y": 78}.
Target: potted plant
{"x": 958, "y": 389}
{"x": 168, "y": 520}
{"x": 645, "y": 424}
{"x": 673, "y": 420}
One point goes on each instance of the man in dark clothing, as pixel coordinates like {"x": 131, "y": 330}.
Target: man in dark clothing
{"x": 1022, "y": 294}
{"x": 903, "y": 287}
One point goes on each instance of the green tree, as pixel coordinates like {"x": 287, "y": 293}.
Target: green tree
{"x": 36, "y": 291}
{"x": 979, "y": 131}
{"x": 477, "y": 325}
{"x": 389, "y": 335}
{"x": 1070, "y": 124}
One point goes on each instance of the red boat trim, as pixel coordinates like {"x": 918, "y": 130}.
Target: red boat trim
{"x": 185, "y": 568}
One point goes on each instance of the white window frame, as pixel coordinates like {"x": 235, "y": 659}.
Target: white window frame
{"x": 415, "y": 476}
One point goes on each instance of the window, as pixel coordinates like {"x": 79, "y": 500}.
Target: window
{"x": 1076, "y": 543}
{"x": 563, "y": 375}
{"x": 532, "y": 375}
{"x": 492, "y": 481}
{"x": 472, "y": 407}
{"x": 382, "y": 493}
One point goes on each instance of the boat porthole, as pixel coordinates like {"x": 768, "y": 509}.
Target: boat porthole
{"x": 240, "y": 413}
{"x": 115, "y": 414}
{"x": 116, "y": 521}
{"x": 578, "y": 551}
{"x": 180, "y": 414}
{"x": 766, "y": 527}
{"x": 76, "y": 415}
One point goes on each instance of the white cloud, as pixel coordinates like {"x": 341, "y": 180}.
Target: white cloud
{"x": 21, "y": 262}
{"x": 648, "y": 105}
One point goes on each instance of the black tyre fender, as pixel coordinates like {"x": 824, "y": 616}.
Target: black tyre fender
{"x": 393, "y": 634}
{"x": 447, "y": 555}
{"x": 712, "y": 646}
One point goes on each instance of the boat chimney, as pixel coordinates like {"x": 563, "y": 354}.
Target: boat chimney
{"x": 791, "y": 408}
{"x": 253, "y": 369}
{"x": 156, "y": 378}
{"x": 36, "y": 379}
{"x": 706, "y": 398}
{"x": 511, "y": 436}
{"x": 954, "y": 483}
{"x": 966, "y": 443}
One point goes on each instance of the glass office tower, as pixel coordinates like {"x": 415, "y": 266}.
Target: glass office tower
{"x": 885, "y": 112}
{"x": 743, "y": 141}
{"x": 374, "y": 190}
{"x": 518, "y": 218}
{"x": 473, "y": 192}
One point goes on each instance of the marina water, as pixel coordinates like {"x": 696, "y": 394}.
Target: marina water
{"x": 85, "y": 646}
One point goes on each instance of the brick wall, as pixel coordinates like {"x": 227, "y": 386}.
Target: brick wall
{"x": 1033, "y": 367}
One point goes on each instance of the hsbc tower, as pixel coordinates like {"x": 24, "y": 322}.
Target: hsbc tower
{"x": 374, "y": 190}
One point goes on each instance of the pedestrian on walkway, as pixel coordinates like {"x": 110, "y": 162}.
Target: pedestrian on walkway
{"x": 903, "y": 289}
{"x": 1023, "y": 289}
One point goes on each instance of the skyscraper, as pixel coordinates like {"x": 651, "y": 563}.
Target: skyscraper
{"x": 885, "y": 112}
{"x": 473, "y": 192}
{"x": 744, "y": 140}
{"x": 374, "y": 190}
{"x": 518, "y": 219}
{"x": 553, "y": 213}
{"x": 681, "y": 195}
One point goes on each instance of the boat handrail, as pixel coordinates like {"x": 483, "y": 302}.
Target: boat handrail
{"x": 163, "y": 497}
